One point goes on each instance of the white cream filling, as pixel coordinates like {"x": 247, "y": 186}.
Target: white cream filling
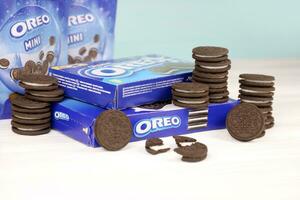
{"x": 254, "y": 91}
{"x": 256, "y": 81}
{"x": 27, "y": 129}
{"x": 186, "y": 143}
{"x": 189, "y": 92}
{"x": 197, "y": 126}
{"x": 157, "y": 148}
{"x": 36, "y": 84}
{"x": 22, "y": 117}
{"x": 206, "y": 56}
{"x": 214, "y": 67}
{"x": 197, "y": 119}
{"x": 191, "y": 102}
{"x": 253, "y": 101}
{"x": 198, "y": 112}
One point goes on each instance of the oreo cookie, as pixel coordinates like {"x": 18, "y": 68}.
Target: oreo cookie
{"x": 245, "y": 122}
{"x": 156, "y": 105}
{"x": 45, "y": 96}
{"x": 113, "y": 130}
{"x": 190, "y": 89}
{"x": 258, "y": 101}
{"x": 25, "y": 110}
{"x": 203, "y": 52}
{"x": 22, "y": 102}
{"x": 155, "y": 146}
{"x": 193, "y": 153}
{"x": 31, "y": 116}
{"x": 257, "y": 80}
{"x": 30, "y": 122}
{"x": 38, "y": 82}
{"x": 30, "y": 132}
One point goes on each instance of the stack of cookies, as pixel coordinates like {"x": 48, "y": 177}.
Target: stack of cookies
{"x": 31, "y": 114}
{"x": 258, "y": 89}
{"x": 194, "y": 96}
{"x": 211, "y": 68}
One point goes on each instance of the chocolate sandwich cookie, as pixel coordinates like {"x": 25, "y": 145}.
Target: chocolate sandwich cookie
{"x": 183, "y": 140}
{"x": 44, "y": 99}
{"x": 4, "y": 63}
{"x": 38, "y": 82}
{"x": 155, "y": 146}
{"x": 257, "y": 91}
{"x": 220, "y": 69}
{"x": 258, "y": 101}
{"x": 258, "y": 80}
{"x": 216, "y": 85}
{"x": 190, "y": 89}
{"x": 190, "y": 102}
{"x": 16, "y": 73}
{"x": 25, "y": 110}
{"x": 31, "y": 116}
{"x": 210, "y": 75}
{"x": 207, "y": 59}
{"x": 113, "y": 130}
{"x": 245, "y": 122}
{"x": 190, "y": 105}
{"x": 30, "y": 132}
{"x": 209, "y": 80}
{"x": 30, "y": 127}
{"x": 198, "y": 118}
{"x": 50, "y": 93}
{"x": 193, "y": 153}
{"x": 203, "y": 52}
{"x": 22, "y": 102}
{"x": 218, "y": 90}
{"x": 50, "y": 56}
{"x": 29, "y": 122}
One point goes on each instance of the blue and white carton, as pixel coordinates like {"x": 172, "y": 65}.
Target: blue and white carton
{"x": 77, "y": 120}
{"x": 123, "y": 83}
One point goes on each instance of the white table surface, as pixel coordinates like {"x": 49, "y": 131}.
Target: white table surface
{"x": 56, "y": 167}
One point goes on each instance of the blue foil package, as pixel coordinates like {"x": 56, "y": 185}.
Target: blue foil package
{"x": 123, "y": 83}
{"x": 91, "y": 30}
{"x": 77, "y": 120}
{"x": 33, "y": 35}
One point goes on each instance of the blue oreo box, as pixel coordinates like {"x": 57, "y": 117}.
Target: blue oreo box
{"x": 123, "y": 83}
{"x": 77, "y": 119}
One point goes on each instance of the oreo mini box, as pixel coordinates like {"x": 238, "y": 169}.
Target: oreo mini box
{"x": 123, "y": 83}
{"x": 77, "y": 120}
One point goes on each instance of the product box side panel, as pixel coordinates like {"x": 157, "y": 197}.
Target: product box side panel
{"x": 86, "y": 90}
{"x": 72, "y": 124}
{"x": 148, "y": 91}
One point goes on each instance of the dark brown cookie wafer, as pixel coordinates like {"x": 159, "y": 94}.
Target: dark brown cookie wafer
{"x": 218, "y": 95}
{"x": 210, "y": 65}
{"x": 52, "y": 87}
{"x": 245, "y": 122}
{"x": 183, "y": 139}
{"x": 23, "y": 102}
{"x": 216, "y": 85}
{"x": 155, "y": 142}
{"x": 113, "y": 130}
{"x": 183, "y": 94}
{"x": 44, "y": 99}
{"x": 38, "y": 80}
{"x": 17, "y": 73}
{"x": 258, "y": 101}
{"x": 209, "y": 52}
{"x": 184, "y": 105}
{"x": 257, "y": 89}
{"x": 256, "y": 94}
{"x": 270, "y": 125}
{"x": 190, "y": 89}
{"x": 156, "y": 105}
{"x": 221, "y": 100}
{"x": 193, "y": 153}
{"x": 93, "y": 53}
{"x": 31, "y": 133}
{"x": 82, "y": 51}
{"x": 71, "y": 60}
{"x": 29, "y": 66}
{"x": 29, "y": 122}
{"x": 50, "y": 56}
{"x": 257, "y": 84}
{"x": 217, "y": 90}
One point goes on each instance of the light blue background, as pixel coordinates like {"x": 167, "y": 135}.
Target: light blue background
{"x": 250, "y": 29}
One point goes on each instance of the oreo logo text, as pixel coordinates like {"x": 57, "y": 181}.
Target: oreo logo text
{"x": 61, "y": 116}
{"x": 147, "y": 126}
{"x": 74, "y": 20}
{"x": 19, "y": 29}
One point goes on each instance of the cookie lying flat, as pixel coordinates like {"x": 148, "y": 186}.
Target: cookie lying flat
{"x": 23, "y": 102}
{"x": 259, "y": 101}
{"x": 44, "y": 99}
{"x": 113, "y": 130}
{"x": 38, "y": 82}
{"x": 245, "y": 122}
{"x": 190, "y": 89}
{"x": 155, "y": 146}
{"x": 208, "y": 59}
{"x": 191, "y": 105}
{"x": 209, "y": 80}
{"x": 24, "y": 110}
{"x": 31, "y": 121}
{"x": 193, "y": 153}
{"x": 31, "y": 116}
{"x": 257, "y": 80}
{"x": 31, "y": 133}
{"x": 210, "y": 75}
{"x": 220, "y": 69}
{"x": 47, "y": 94}
{"x": 156, "y": 105}
{"x": 209, "y": 52}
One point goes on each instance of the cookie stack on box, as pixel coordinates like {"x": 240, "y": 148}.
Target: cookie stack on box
{"x": 31, "y": 114}
{"x": 259, "y": 90}
{"x": 194, "y": 96}
{"x": 211, "y": 68}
